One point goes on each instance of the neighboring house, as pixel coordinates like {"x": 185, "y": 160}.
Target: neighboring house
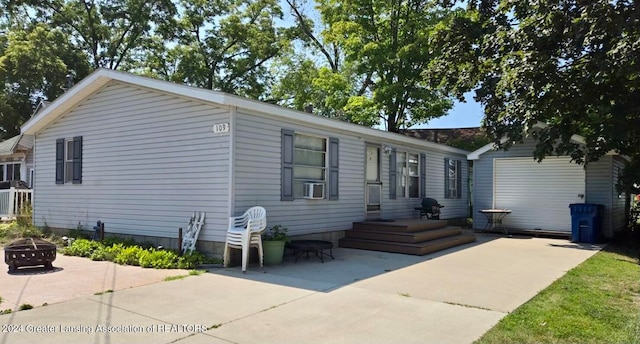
{"x": 16, "y": 159}
{"x": 539, "y": 194}
{"x": 141, "y": 155}
{"x": 448, "y": 135}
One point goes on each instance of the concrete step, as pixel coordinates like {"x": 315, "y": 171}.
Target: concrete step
{"x": 399, "y": 225}
{"x": 419, "y": 249}
{"x": 405, "y": 237}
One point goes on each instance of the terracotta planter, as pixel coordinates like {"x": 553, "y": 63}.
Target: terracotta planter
{"x": 273, "y": 252}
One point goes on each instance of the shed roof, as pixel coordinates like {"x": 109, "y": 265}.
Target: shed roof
{"x": 101, "y": 77}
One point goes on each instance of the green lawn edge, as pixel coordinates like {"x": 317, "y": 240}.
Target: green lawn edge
{"x": 596, "y": 302}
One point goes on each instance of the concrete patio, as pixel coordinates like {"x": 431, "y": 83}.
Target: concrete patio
{"x": 453, "y": 296}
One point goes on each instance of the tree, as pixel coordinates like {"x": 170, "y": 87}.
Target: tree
{"x": 571, "y": 65}
{"x": 224, "y": 45}
{"x": 370, "y": 55}
{"x": 105, "y": 30}
{"x": 34, "y": 63}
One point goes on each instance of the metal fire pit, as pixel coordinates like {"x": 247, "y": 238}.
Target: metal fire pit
{"x": 29, "y": 252}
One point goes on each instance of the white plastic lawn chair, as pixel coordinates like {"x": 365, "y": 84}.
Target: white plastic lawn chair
{"x": 190, "y": 236}
{"x": 245, "y": 232}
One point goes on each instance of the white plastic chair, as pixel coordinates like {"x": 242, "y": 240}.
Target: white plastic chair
{"x": 245, "y": 232}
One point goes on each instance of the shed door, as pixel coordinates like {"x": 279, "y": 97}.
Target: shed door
{"x": 539, "y": 194}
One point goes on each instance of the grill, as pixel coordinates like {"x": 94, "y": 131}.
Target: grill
{"x": 29, "y": 252}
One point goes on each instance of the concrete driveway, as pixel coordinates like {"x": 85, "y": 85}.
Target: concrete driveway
{"x": 453, "y": 296}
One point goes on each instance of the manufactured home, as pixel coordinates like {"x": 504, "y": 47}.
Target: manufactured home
{"x": 141, "y": 155}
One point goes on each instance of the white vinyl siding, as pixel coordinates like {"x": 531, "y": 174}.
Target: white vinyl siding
{"x": 258, "y": 177}
{"x": 434, "y": 161}
{"x": 149, "y": 161}
{"x": 538, "y": 194}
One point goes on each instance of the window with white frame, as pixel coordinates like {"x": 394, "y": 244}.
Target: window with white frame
{"x": 310, "y": 162}
{"x": 408, "y": 168}
{"x": 10, "y": 171}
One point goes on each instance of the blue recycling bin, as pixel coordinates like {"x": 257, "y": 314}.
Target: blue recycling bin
{"x": 586, "y": 222}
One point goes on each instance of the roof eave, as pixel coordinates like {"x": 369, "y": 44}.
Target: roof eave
{"x": 101, "y": 77}
{"x": 68, "y": 100}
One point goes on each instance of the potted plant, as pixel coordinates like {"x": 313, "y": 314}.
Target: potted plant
{"x": 273, "y": 242}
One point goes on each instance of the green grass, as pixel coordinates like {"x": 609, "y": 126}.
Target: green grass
{"x": 179, "y": 277}
{"x": 596, "y": 302}
{"x": 104, "y": 292}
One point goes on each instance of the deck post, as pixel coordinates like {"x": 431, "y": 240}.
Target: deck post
{"x": 12, "y": 202}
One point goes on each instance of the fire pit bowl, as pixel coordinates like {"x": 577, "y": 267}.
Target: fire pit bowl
{"x": 29, "y": 252}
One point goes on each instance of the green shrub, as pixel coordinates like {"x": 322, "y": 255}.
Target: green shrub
{"x": 25, "y": 306}
{"x": 158, "y": 259}
{"x": 129, "y": 255}
{"x": 123, "y": 252}
{"x": 191, "y": 260}
{"x": 82, "y": 248}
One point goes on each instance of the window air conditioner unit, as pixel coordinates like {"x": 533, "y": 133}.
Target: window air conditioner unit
{"x": 313, "y": 191}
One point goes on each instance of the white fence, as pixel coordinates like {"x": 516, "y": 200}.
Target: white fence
{"x": 13, "y": 200}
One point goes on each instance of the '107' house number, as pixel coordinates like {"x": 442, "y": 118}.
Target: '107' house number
{"x": 221, "y": 128}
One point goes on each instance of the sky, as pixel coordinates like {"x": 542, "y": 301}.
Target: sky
{"x": 463, "y": 115}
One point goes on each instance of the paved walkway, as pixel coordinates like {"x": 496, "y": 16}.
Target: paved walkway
{"x": 362, "y": 296}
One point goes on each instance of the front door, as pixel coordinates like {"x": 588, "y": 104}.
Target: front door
{"x": 373, "y": 187}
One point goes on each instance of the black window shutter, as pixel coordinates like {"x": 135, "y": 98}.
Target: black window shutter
{"x": 423, "y": 175}
{"x": 334, "y": 164}
{"x": 392, "y": 174}
{"x": 60, "y": 161}
{"x": 286, "y": 189}
{"x": 459, "y": 178}
{"x": 77, "y": 160}
{"x": 447, "y": 193}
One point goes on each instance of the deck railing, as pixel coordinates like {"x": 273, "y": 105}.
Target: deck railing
{"x": 13, "y": 200}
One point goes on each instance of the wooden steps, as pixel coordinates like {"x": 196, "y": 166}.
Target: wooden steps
{"x": 407, "y": 236}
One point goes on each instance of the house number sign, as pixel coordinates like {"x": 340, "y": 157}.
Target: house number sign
{"x": 221, "y": 128}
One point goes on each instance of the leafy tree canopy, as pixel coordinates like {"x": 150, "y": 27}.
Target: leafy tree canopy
{"x": 367, "y": 58}
{"x": 33, "y": 66}
{"x": 224, "y": 45}
{"x": 572, "y": 65}
{"x": 106, "y": 30}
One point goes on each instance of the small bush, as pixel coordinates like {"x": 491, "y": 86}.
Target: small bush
{"x": 158, "y": 259}
{"x": 129, "y": 255}
{"x": 25, "y": 306}
{"x": 82, "y": 248}
{"x": 126, "y": 253}
{"x": 191, "y": 260}
{"x": 108, "y": 253}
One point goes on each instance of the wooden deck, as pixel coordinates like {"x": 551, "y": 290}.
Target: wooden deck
{"x": 407, "y": 236}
